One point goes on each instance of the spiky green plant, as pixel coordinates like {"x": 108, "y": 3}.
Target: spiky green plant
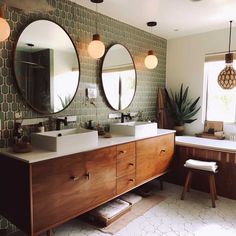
{"x": 65, "y": 102}
{"x": 180, "y": 107}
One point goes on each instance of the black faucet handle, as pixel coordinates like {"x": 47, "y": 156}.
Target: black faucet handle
{"x": 65, "y": 121}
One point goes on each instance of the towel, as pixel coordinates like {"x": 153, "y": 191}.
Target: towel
{"x": 131, "y": 198}
{"x": 110, "y": 209}
{"x": 201, "y": 165}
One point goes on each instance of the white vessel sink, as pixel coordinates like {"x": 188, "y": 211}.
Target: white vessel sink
{"x": 67, "y": 140}
{"x": 134, "y": 128}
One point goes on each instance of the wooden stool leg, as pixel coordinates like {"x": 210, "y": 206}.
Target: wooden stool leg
{"x": 49, "y": 232}
{"x": 212, "y": 192}
{"x": 189, "y": 183}
{"x": 214, "y": 185}
{"x": 186, "y": 185}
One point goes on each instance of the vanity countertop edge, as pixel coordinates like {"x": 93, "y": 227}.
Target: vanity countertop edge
{"x": 38, "y": 155}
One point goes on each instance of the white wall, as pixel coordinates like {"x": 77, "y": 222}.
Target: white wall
{"x": 185, "y": 64}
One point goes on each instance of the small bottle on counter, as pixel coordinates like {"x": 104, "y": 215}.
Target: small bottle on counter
{"x": 41, "y": 127}
{"x": 18, "y": 132}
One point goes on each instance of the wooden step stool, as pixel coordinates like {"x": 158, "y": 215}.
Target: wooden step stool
{"x": 211, "y": 179}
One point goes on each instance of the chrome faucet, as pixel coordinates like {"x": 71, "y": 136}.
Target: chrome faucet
{"x": 59, "y": 121}
{"x": 125, "y": 116}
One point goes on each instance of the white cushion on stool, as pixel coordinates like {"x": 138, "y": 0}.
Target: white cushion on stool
{"x": 201, "y": 165}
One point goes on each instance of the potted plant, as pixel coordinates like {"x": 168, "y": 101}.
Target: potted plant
{"x": 181, "y": 108}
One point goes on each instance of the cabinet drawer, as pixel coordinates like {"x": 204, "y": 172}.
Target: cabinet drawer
{"x": 67, "y": 186}
{"x": 125, "y": 183}
{"x": 125, "y": 165}
{"x": 126, "y": 150}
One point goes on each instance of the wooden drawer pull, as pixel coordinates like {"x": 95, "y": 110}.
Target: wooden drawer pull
{"x": 162, "y": 150}
{"x": 131, "y": 164}
{"x": 131, "y": 180}
{"x": 122, "y": 152}
{"x": 74, "y": 178}
{"x": 87, "y": 175}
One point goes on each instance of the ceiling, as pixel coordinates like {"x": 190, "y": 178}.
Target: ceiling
{"x": 175, "y": 18}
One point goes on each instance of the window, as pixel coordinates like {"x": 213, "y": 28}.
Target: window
{"x": 220, "y": 103}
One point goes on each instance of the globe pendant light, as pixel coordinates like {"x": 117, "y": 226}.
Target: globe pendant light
{"x": 151, "y": 60}
{"x": 96, "y": 47}
{"x": 4, "y": 27}
{"x": 227, "y": 77}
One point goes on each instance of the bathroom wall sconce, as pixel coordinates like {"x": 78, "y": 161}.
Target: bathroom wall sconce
{"x": 151, "y": 60}
{"x": 96, "y": 47}
{"x": 4, "y": 27}
{"x": 227, "y": 77}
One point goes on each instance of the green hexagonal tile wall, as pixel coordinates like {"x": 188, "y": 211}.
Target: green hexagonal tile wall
{"x": 79, "y": 22}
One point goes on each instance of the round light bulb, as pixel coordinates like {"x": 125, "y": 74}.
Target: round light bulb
{"x": 151, "y": 60}
{"x": 4, "y": 29}
{"x": 96, "y": 47}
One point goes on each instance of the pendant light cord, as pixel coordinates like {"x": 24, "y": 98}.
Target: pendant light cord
{"x": 96, "y": 18}
{"x": 230, "y": 35}
{"x": 1, "y": 11}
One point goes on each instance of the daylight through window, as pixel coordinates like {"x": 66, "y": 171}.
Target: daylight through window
{"x": 220, "y": 103}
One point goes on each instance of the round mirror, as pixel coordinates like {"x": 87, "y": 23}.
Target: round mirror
{"x": 46, "y": 67}
{"x": 118, "y": 77}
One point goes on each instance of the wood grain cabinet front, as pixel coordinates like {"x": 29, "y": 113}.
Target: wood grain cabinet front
{"x": 125, "y": 182}
{"x": 39, "y": 196}
{"x": 125, "y": 159}
{"x": 126, "y": 164}
{"x": 153, "y": 157}
{"x": 68, "y": 186}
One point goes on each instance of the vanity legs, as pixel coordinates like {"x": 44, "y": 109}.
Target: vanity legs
{"x": 161, "y": 184}
{"x": 49, "y": 232}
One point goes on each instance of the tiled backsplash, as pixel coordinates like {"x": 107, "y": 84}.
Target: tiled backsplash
{"x": 79, "y": 22}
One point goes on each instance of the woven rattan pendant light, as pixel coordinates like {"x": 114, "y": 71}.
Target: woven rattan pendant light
{"x": 227, "y": 77}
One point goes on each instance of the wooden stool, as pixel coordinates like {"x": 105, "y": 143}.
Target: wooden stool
{"x": 211, "y": 178}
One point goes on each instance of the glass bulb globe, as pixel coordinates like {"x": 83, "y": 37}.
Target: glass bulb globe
{"x": 4, "y": 29}
{"x": 151, "y": 60}
{"x": 96, "y": 48}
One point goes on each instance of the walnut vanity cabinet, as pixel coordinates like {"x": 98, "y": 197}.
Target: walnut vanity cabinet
{"x": 66, "y": 186}
{"x": 41, "y": 195}
{"x": 153, "y": 157}
{"x": 38, "y": 196}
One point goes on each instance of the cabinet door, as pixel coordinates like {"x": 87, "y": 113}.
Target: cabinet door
{"x": 153, "y": 157}
{"x": 101, "y": 180}
{"x": 67, "y": 186}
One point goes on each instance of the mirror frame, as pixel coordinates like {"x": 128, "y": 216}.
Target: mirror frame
{"x": 135, "y": 88}
{"x": 14, "y": 71}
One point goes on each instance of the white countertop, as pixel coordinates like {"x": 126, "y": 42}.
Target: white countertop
{"x": 41, "y": 155}
{"x": 204, "y": 143}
